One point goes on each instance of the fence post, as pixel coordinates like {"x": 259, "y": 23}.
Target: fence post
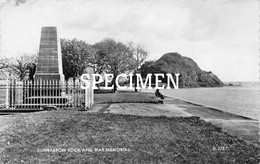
{"x": 89, "y": 102}
{"x": 86, "y": 98}
{"x": 7, "y": 94}
{"x": 88, "y": 95}
{"x": 39, "y": 84}
{"x": 14, "y": 94}
{"x": 11, "y": 94}
{"x": 92, "y": 94}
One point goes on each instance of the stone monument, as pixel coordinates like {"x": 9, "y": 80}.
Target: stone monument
{"x": 49, "y": 78}
{"x": 49, "y": 65}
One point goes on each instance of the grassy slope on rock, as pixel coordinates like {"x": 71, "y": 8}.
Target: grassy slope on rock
{"x": 190, "y": 73}
{"x": 150, "y": 139}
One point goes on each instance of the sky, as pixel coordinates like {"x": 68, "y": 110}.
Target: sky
{"x": 221, "y": 36}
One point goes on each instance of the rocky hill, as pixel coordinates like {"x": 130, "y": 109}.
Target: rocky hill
{"x": 190, "y": 73}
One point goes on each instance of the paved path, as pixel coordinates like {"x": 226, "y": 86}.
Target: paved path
{"x": 148, "y": 109}
{"x": 237, "y": 125}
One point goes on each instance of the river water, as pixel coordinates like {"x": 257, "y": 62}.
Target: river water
{"x": 238, "y": 100}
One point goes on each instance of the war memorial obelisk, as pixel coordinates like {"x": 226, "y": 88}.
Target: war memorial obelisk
{"x": 49, "y": 65}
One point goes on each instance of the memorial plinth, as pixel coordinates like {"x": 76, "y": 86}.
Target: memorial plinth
{"x": 49, "y": 65}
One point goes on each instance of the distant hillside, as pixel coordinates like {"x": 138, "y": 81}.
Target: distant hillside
{"x": 190, "y": 73}
{"x": 250, "y": 84}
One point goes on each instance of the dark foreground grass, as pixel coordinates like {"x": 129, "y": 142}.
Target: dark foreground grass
{"x": 124, "y": 97}
{"x": 34, "y": 138}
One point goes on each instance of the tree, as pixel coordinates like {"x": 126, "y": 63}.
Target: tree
{"x": 17, "y": 2}
{"x": 21, "y": 64}
{"x": 117, "y": 58}
{"x": 3, "y": 64}
{"x": 76, "y": 57}
{"x": 97, "y": 61}
{"x": 139, "y": 54}
{"x": 32, "y": 69}
{"x": 147, "y": 67}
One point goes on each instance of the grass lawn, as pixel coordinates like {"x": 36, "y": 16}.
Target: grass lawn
{"x": 35, "y": 138}
{"x": 123, "y": 97}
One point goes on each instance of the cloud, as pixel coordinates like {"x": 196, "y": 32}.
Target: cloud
{"x": 202, "y": 30}
{"x": 203, "y": 21}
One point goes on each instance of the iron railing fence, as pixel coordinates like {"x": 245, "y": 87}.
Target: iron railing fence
{"x": 38, "y": 94}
